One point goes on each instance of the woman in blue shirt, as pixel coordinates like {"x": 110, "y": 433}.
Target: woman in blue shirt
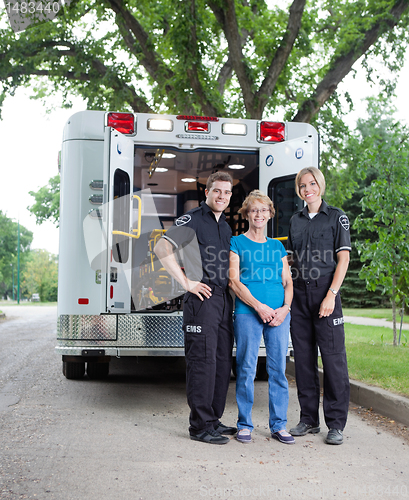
{"x": 261, "y": 280}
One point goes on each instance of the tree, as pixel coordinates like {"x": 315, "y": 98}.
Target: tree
{"x": 8, "y": 251}
{"x": 216, "y": 57}
{"x": 47, "y": 201}
{"x": 41, "y": 275}
{"x": 346, "y": 187}
{"x": 241, "y": 58}
{"x": 385, "y": 207}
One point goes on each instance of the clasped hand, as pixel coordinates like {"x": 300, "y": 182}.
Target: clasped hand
{"x": 273, "y": 317}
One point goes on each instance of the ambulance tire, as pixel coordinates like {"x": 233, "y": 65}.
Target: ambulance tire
{"x": 72, "y": 370}
{"x": 97, "y": 371}
{"x": 261, "y": 373}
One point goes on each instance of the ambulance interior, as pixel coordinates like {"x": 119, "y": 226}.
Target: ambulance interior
{"x": 168, "y": 182}
{"x": 177, "y": 179}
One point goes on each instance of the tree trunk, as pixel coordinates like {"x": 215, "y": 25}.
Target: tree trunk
{"x": 395, "y": 341}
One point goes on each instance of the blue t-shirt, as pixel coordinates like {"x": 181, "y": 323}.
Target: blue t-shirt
{"x": 261, "y": 268}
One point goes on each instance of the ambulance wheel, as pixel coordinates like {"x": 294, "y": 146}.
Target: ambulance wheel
{"x": 72, "y": 370}
{"x": 261, "y": 373}
{"x": 97, "y": 371}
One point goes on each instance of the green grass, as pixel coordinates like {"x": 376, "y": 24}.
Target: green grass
{"x": 26, "y": 303}
{"x": 374, "y": 313}
{"x": 372, "y": 359}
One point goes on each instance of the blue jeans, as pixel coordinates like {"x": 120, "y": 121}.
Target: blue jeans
{"x": 248, "y": 329}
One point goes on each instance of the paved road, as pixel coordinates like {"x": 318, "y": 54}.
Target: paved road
{"x": 126, "y": 438}
{"x": 357, "y": 320}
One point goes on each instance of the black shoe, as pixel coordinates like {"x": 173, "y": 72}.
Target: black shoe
{"x": 334, "y": 437}
{"x": 302, "y": 429}
{"x": 227, "y": 431}
{"x": 211, "y": 437}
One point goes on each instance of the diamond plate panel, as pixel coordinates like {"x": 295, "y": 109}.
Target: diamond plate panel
{"x": 140, "y": 330}
{"x": 134, "y": 330}
{"x": 84, "y": 327}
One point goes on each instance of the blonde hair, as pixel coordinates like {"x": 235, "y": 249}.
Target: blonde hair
{"x": 256, "y": 195}
{"x": 318, "y": 176}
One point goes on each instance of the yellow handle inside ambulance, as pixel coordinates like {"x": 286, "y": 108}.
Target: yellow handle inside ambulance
{"x": 138, "y": 229}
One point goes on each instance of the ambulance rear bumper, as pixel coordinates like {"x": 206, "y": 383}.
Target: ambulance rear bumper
{"x": 118, "y": 352}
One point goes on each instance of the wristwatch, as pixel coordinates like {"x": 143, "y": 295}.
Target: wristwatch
{"x": 334, "y": 291}
{"x": 289, "y": 308}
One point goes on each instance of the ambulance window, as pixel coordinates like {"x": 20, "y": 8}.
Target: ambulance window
{"x": 286, "y": 203}
{"x": 120, "y": 242}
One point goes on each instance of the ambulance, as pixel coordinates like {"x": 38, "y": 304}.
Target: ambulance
{"x": 125, "y": 179}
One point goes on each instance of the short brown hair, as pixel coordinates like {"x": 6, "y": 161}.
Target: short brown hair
{"x": 318, "y": 176}
{"x": 256, "y": 195}
{"x": 218, "y": 176}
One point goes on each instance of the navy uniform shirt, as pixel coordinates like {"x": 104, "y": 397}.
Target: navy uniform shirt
{"x": 314, "y": 243}
{"x": 205, "y": 243}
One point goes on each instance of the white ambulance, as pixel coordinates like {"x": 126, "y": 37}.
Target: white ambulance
{"x": 125, "y": 177}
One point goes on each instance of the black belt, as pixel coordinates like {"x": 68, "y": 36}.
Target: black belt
{"x": 216, "y": 289}
{"x": 300, "y": 283}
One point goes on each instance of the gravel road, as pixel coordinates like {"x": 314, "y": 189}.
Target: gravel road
{"x": 126, "y": 437}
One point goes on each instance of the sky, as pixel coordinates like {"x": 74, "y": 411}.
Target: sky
{"x": 30, "y": 139}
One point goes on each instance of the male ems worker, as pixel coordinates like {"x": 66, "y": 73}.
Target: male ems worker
{"x": 204, "y": 236}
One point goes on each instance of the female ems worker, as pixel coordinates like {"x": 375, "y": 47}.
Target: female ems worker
{"x": 319, "y": 246}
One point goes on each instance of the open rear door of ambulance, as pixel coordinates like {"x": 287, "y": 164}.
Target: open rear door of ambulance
{"x": 118, "y": 178}
{"x": 279, "y": 164}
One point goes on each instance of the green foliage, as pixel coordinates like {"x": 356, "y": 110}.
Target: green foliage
{"x": 41, "y": 275}
{"x": 385, "y": 211}
{"x": 354, "y": 292}
{"x": 343, "y": 150}
{"x": 47, "y": 201}
{"x": 220, "y": 57}
{"x": 8, "y": 251}
{"x": 339, "y": 147}
{"x": 38, "y": 268}
{"x": 347, "y": 181}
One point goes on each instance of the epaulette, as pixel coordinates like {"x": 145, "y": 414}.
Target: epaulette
{"x": 193, "y": 210}
{"x": 336, "y": 208}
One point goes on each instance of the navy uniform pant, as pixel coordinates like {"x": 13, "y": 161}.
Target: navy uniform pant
{"x": 208, "y": 329}
{"x": 308, "y": 332}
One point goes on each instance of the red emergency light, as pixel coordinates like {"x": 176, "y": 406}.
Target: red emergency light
{"x": 197, "y": 127}
{"x": 83, "y": 302}
{"x": 200, "y": 118}
{"x": 123, "y": 122}
{"x": 271, "y": 132}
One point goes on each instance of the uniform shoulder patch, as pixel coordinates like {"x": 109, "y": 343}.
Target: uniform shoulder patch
{"x": 344, "y": 221}
{"x": 184, "y": 219}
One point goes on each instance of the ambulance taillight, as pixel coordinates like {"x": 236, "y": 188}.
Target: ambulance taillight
{"x": 194, "y": 126}
{"x": 198, "y": 118}
{"x": 271, "y": 132}
{"x": 123, "y": 122}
